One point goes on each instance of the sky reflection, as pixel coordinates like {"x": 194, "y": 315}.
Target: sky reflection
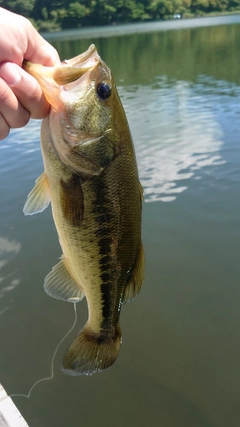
{"x": 185, "y": 136}
{"x": 7, "y": 248}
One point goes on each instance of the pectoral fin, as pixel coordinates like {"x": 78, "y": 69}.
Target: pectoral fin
{"x": 60, "y": 285}
{"x": 39, "y": 198}
{"x": 72, "y": 202}
{"x": 135, "y": 282}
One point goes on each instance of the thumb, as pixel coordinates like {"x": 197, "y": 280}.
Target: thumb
{"x": 38, "y": 49}
{"x": 26, "y": 89}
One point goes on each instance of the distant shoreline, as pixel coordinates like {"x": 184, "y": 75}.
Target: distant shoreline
{"x": 142, "y": 27}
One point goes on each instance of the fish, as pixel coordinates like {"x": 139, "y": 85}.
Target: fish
{"x": 91, "y": 180}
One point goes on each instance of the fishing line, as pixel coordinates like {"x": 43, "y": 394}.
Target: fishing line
{"x": 53, "y": 358}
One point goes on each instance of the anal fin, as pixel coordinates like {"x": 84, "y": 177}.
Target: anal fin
{"x": 39, "y": 198}
{"x": 60, "y": 285}
{"x": 134, "y": 284}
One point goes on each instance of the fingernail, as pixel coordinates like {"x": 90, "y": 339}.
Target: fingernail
{"x": 9, "y": 72}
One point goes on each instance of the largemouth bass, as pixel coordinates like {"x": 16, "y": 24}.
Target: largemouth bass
{"x": 91, "y": 179}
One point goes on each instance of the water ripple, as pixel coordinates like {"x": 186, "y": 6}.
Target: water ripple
{"x": 176, "y": 132}
{"x": 24, "y": 139}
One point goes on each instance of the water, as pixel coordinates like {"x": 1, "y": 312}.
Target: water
{"x": 179, "y": 363}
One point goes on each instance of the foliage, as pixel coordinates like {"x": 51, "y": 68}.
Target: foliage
{"x": 59, "y": 14}
{"x": 23, "y": 7}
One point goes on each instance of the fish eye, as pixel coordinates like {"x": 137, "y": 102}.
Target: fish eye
{"x": 104, "y": 90}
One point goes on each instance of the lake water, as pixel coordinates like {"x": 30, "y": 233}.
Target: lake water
{"x": 179, "y": 362}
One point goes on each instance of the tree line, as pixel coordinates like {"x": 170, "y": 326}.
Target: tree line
{"x": 62, "y": 14}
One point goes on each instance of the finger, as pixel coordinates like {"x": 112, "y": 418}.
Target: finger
{"x": 4, "y": 128}
{"x": 26, "y": 90}
{"x": 14, "y": 114}
{"x": 20, "y": 40}
{"x": 38, "y": 49}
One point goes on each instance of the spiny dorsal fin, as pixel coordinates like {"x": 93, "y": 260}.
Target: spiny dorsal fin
{"x": 60, "y": 285}
{"x": 39, "y": 198}
{"x": 135, "y": 282}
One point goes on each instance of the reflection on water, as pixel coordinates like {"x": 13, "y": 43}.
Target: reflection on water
{"x": 176, "y": 132}
{"x": 7, "y": 247}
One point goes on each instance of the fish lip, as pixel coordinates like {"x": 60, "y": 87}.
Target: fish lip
{"x": 86, "y": 61}
{"x": 73, "y": 72}
{"x": 83, "y": 57}
{"x": 67, "y": 76}
{"x": 73, "y": 69}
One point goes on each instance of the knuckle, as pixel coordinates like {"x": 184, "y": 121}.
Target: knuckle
{"x": 55, "y": 52}
{"x": 41, "y": 112}
{"x": 21, "y": 119}
{"x": 5, "y": 93}
{"x": 13, "y": 114}
{"x": 30, "y": 92}
{"x": 26, "y": 24}
{"x": 4, "y": 133}
{"x": 25, "y": 120}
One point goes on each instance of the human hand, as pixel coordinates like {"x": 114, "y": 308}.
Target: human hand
{"x": 21, "y": 97}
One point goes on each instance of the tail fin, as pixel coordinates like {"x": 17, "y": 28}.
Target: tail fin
{"x": 90, "y": 352}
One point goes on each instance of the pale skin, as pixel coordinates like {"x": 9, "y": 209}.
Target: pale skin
{"x": 21, "y": 97}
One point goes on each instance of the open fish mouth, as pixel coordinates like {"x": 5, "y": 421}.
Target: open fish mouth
{"x": 80, "y": 60}
{"x": 68, "y": 71}
{"x": 71, "y": 75}
{"x": 72, "y": 69}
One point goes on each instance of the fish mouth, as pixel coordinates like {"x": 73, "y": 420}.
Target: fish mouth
{"x": 80, "y": 60}
{"x": 72, "y": 69}
{"x": 68, "y": 75}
